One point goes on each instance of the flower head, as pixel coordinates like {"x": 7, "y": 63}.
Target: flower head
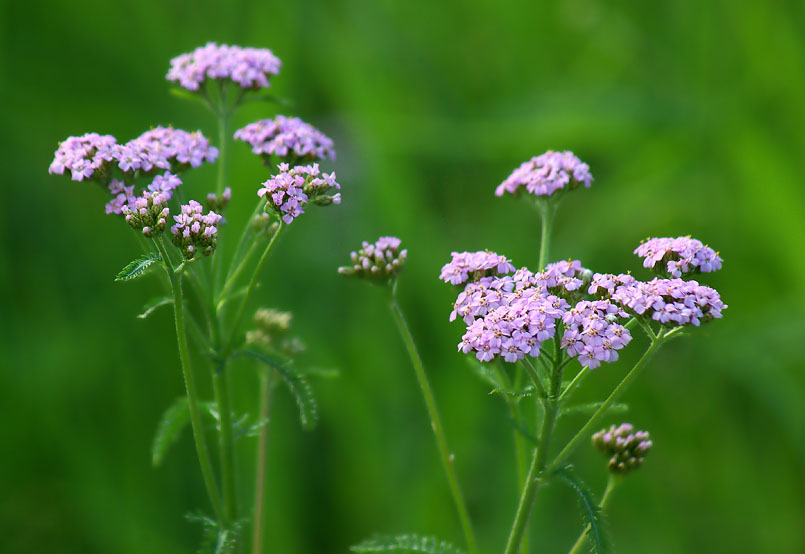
{"x": 195, "y": 232}
{"x": 544, "y": 175}
{"x": 291, "y": 189}
{"x": 678, "y": 256}
{"x": 593, "y": 334}
{"x": 149, "y": 213}
{"x": 473, "y": 266}
{"x": 380, "y": 261}
{"x": 286, "y": 137}
{"x": 249, "y": 68}
{"x": 625, "y": 447}
{"x": 84, "y": 157}
{"x": 671, "y": 302}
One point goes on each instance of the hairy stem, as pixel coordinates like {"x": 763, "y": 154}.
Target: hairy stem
{"x": 538, "y": 463}
{"x": 611, "y": 484}
{"x": 266, "y": 395}
{"x": 226, "y": 443}
{"x": 190, "y": 386}
{"x": 436, "y": 425}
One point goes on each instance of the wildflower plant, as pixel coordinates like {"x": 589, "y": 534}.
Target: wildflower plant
{"x": 535, "y": 334}
{"x": 179, "y": 236}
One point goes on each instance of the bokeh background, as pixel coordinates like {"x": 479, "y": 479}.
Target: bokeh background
{"x": 690, "y": 115}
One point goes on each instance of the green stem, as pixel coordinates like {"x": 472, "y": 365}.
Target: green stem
{"x": 190, "y": 385}
{"x": 538, "y": 463}
{"x": 266, "y": 395}
{"x": 223, "y": 148}
{"x": 571, "y": 387}
{"x": 612, "y": 483}
{"x": 242, "y": 240}
{"x": 436, "y": 424}
{"x": 250, "y": 290}
{"x": 599, "y": 413}
{"x": 231, "y": 279}
{"x": 546, "y": 209}
{"x": 226, "y": 443}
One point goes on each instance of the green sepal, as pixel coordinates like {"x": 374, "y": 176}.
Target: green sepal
{"x": 591, "y": 515}
{"x": 139, "y": 267}
{"x": 405, "y": 543}
{"x": 170, "y": 427}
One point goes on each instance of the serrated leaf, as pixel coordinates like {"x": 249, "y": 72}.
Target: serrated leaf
{"x": 405, "y": 543}
{"x": 591, "y": 515}
{"x": 297, "y": 384}
{"x": 152, "y": 305}
{"x": 170, "y": 427}
{"x": 589, "y": 409}
{"x": 528, "y": 391}
{"x": 139, "y": 267}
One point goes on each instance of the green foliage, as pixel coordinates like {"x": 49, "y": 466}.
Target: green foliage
{"x": 297, "y": 384}
{"x": 405, "y": 543}
{"x": 528, "y": 391}
{"x": 138, "y": 267}
{"x": 216, "y": 539}
{"x": 485, "y": 373}
{"x": 591, "y": 515}
{"x": 153, "y": 304}
{"x": 589, "y": 409}
{"x": 184, "y": 94}
{"x": 170, "y": 427}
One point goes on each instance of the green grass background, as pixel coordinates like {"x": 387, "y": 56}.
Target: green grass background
{"x": 690, "y": 115}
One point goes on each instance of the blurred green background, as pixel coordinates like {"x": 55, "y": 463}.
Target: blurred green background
{"x": 690, "y": 115}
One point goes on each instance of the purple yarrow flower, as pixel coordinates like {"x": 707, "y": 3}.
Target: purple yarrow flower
{"x": 474, "y": 266}
{"x": 165, "y": 183}
{"x": 678, "y": 256}
{"x": 250, "y": 68}
{"x": 379, "y": 261}
{"x": 671, "y": 302}
{"x": 608, "y": 282}
{"x": 592, "y": 333}
{"x": 83, "y": 156}
{"x": 286, "y": 137}
{"x": 195, "y": 231}
{"x": 291, "y": 189}
{"x": 544, "y": 175}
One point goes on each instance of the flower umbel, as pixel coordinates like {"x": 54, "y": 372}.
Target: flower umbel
{"x": 149, "y": 214}
{"x": 474, "y": 266}
{"x": 286, "y": 137}
{"x": 380, "y": 261}
{"x": 249, "y": 68}
{"x": 671, "y": 302}
{"x": 625, "y": 447}
{"x": 195, "y": 232}
{"x": 546, "y": 174}
{"x": 291, "y": 189}
{"x": 678, "y": 256}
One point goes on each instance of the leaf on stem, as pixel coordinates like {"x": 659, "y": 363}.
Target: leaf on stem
{"x": 170, "y": 427}
{"x": 591, "y": 515}
{"x": 405, "y": 543}
{"x": 528, "y": 391}
{"x": 153, "y": 304}
{"x": 216, "y": 539}
{"x": 139, "y": 267}
{"x": 589, "y": 409}
{"x": 179, "y": 92}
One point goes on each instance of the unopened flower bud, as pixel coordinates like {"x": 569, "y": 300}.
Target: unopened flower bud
{"x": 625, "y": 447}
{"x": 378, "y": 262}
{"x": 272, "y": 321}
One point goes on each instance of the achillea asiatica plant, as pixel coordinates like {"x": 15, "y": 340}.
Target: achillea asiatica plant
{"x": 536, "y": 334}
{"x": 178, "y": 235}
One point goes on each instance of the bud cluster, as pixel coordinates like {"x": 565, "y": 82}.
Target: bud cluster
{"x": 150, "y": 213}
{"x": 272, "y": 325}
{"x": 216, "y": 204}
{"x": 194, "y": 232}
{"x": 625, "y": 447}
{"x": 381, "y": 261}
{"x": 291, "y": 189}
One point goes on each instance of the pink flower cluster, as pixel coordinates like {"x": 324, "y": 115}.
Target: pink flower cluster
{"x": 291, "y": 189}
{"x": 149, "y": 213}
{"x": 592, "y": 332}
{"x": 93, "y": 156}
{"x": 545, "y": 174}
{"x": 379, "y": 261}
{"x": 194, "y": 231}
{"x": 124, "y": 197}
{"x": 250, "y": 68}
{"x": 671, "y": 301}
{"x": 474, "y": 265}
{"x": 286, "y": 136}
{"x": 678, "y": 256}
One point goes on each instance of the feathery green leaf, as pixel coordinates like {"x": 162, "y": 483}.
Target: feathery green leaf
{"x": 405, "y": 543}
{"x": 591, "y": 515}
{"x": 139, "y": 267}
{"x": 528, "y": 391}
{"x": 589, "y": 409}
{"x": 170, "y": 427}
{"x": 153, "y": 304}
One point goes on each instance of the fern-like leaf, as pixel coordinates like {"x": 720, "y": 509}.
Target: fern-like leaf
{"x": 152, "y": 305}
{"x": 405, "y": 543}
{"x": 170, "y": 427}
{"x": 528, "y": 391}
{"x": 591, "y": 515}
{"x": 139, "y": 267}
{"x": 589, "y": 409}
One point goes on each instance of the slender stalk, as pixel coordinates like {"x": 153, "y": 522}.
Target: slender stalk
{"x": 250, "y": 290}
{"x": 266, "y": 396}
{"x": 538, "y": 463}
{"x": 612, "y": 483}
{"x": 242, "y": 240}
{"x": 571, "y": 387}
{"x": 231, "y": 279}
{"x": 546, "y": 209}
{"x": 436, "y": 424}
{"x": 226, "y": 443}
{"x": 599, "y": 413}
{"x": 190, "y": 385}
